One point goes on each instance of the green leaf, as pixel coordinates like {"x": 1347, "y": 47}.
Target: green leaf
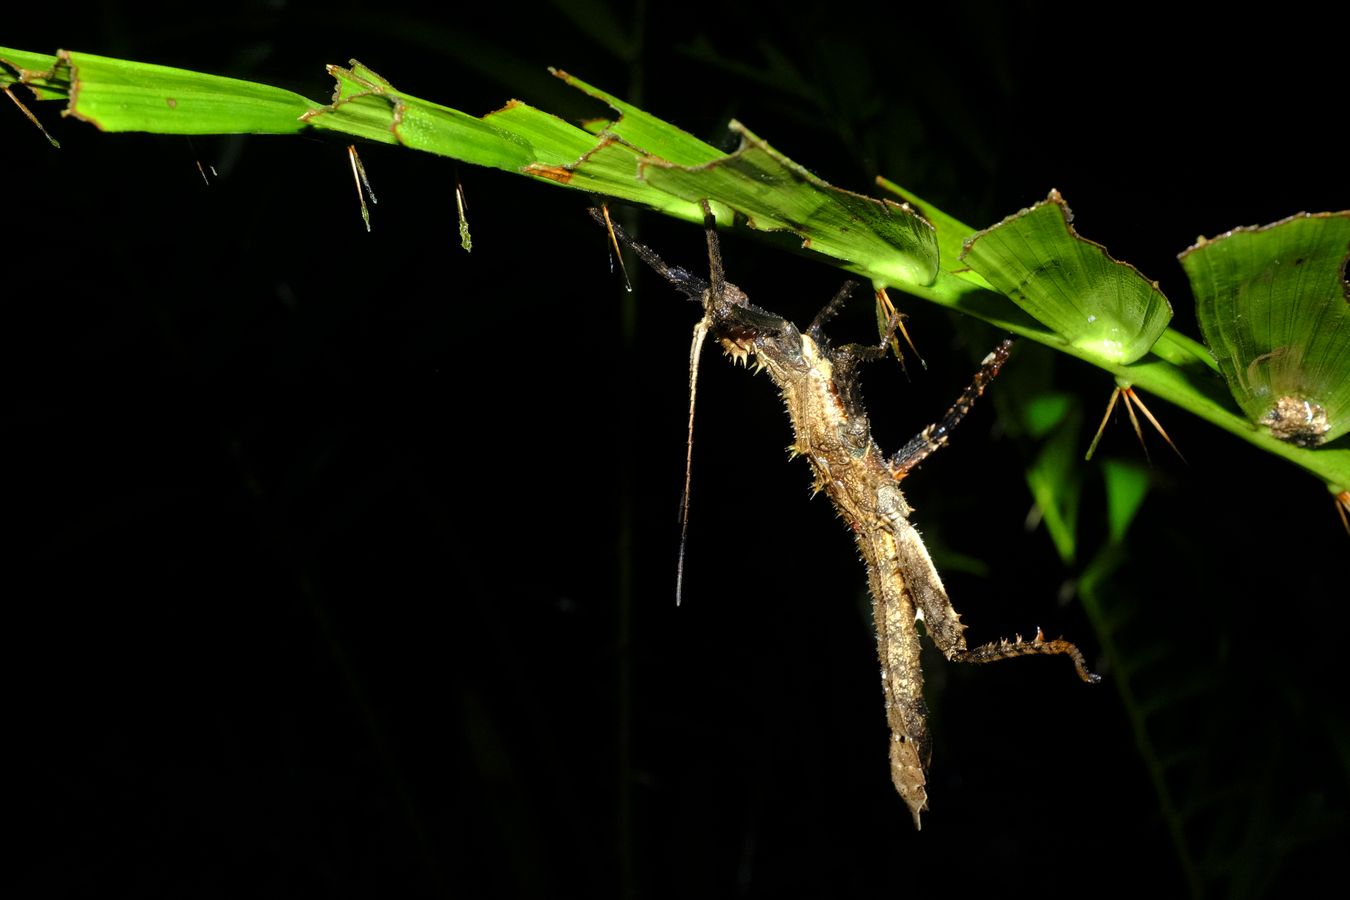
{"x": 117, "y": 95}
{"x": 1126, "y": 486}
{"x": 1045, "y": 410}
{"x": 368, "y": 106}
{"x": 952, "y": 233}
{"x": 1055, "y": 481}
{"x": 36, "y": 71}
{"x": 887, "y": 241}
{"x": 1102, "y": 307}
{"x": 643, "y": 130}
{"x": 642, "y": 159}
{"x": 1272, "y": 305}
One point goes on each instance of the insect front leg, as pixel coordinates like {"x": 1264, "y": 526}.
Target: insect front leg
{"x": 831, "y": 309}
{"x": 935, "y": 436}
{"x": 847, "y": 359}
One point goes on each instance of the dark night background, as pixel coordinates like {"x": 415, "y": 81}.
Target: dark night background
{"x": 342, "y": 564}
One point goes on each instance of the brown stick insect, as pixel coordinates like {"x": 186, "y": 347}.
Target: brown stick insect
{"x": 819, "y": 386}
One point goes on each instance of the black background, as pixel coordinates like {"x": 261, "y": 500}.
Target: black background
{"x": 342, "y": 564}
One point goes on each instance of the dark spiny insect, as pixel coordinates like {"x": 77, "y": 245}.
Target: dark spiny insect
{"x": 820, "y": 390}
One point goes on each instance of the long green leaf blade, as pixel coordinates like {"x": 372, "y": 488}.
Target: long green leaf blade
{"x": 117, "y": 95}
{"x": 886, "y": 240}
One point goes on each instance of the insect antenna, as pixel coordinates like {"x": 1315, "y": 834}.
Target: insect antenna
{"x": 695, "y": 349}
{"x": 695, "y": 288}
{"x": 716, "y": 292}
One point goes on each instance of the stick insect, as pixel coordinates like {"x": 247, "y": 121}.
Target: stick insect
{"x": 819, "y": 386}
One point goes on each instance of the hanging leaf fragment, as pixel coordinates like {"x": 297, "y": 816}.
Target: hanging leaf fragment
{"x": 1272, "y": 304}
{"x": 362, "y": 183}
{"x": 616, "y": 252}
{"x": 462, "y": 206}
{"x": 1098, "y": 305}
{"x": 9, "y": 91}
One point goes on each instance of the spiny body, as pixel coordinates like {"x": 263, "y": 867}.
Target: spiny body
{"x": 819, "y": 388}
{"x": 832, "y": 431}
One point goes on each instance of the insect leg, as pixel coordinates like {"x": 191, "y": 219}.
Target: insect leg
{"x": 692, "y": 286}
{"x": 717, "y": 274}
{"x": 1006, "y": 649}
{"x": 831, "y": 309}
{"x": 847, "y": 358}
{"x": 935, "y": 436}
{"x": 942, "y": 622}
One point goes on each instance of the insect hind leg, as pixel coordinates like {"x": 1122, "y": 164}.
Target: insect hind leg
{"x": 1006, "y": 649}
